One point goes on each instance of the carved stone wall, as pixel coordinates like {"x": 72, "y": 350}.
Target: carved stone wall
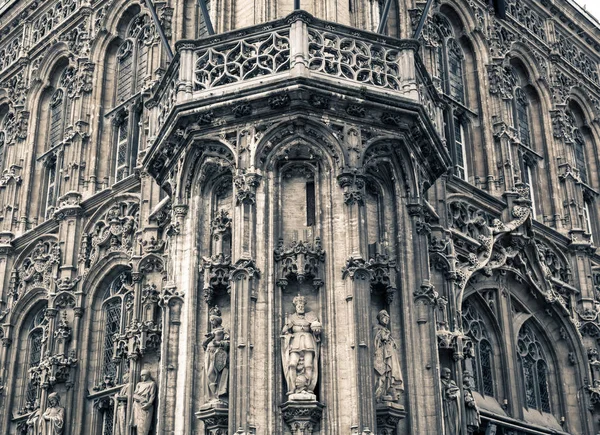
{"x": 297, "y": 225}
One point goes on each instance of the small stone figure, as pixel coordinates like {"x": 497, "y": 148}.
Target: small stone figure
{"x": 53, "y": 420}
{"x": 216, "y": 358}
{"x": 301, "y": 336}
{"x": 472, "y": 417}
{"x": 450, "y": 396}
{"x": 121, "y": 408}
{"x": 388, "y": 375}
{"x": 143, "y": 404}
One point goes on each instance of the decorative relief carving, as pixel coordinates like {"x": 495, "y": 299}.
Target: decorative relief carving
{"x": 354, "y": 59}
{"x": 10, "y": 52}
{"x": 51, "y": 18}
{"x": 502, "y": 80}
{"x": 246, "y": 184}
{"x": 300, "y": 261}
{"x": 39, "y": 268}
{"x": 113, "y": 232}
{"x": 353, "y": 185}
{"x": 244, "y": 59}
{"x": 527, "y": 17}
{"x": 581, "y": 62}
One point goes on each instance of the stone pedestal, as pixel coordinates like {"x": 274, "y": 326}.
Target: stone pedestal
{"x": 302, "y": 417}
{"x": 215, "y": 417}
{"x": 388, "y": 416}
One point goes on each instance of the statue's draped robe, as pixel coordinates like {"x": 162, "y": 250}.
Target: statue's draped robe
{"x": 300, "y": 340}
{"x": 144, "y": 395}
{"x": 451, "y": 394}
{"x": 53, "y": 421}
{"x": 387, "y": 364}
{"x": 121, "y": 412}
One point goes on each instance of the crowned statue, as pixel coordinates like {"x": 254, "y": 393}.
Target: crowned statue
{"x": 301, "y": 337}
{"x": 216, "y": 359}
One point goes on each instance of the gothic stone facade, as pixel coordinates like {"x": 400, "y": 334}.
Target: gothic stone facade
{"x": 298, "y": 225}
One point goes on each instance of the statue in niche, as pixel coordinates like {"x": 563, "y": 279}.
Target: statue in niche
{"x": 52, "y": 421}
{"x": 32, "y": 422}
{"x": 450, "y": 396}
{"x": 143, "y": 404}
{"x": 472, "y": 417}
{"x": 216, "y": 358}
{"x": 388, "y": 375}
{"x": 301, "y": 337}
{"x": 121, "y": 411}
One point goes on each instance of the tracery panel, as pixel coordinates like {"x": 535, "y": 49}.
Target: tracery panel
{"x": 534, "y": 369}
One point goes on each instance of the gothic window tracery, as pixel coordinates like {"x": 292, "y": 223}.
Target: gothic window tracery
{"x": 482, "y": 361}
{"x": 35, "y": 350}
{"x": 450, "y": 74}
{"x": 116, "y": 313}
{"x": 534, "y": 369}
{"x": 132, "y": 60}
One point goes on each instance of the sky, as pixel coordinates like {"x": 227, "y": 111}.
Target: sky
{"x": 592, "y": 6}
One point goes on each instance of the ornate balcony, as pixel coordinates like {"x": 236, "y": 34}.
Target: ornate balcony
{"x": 275, "y": 60}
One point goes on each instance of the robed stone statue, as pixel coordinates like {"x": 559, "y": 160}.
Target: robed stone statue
{"x": 301, "y": 337}
{"x": 388, "y": 375}
{"x": 450, "y": 396}
{"x": 216, "y": 359}
{"x": 143, "y": 404}
{"x": 52, "y": 421}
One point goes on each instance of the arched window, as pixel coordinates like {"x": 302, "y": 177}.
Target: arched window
{"x": 534, "y": 369}
{"x": 116, "y": 312}
{"x": 450, "y": 73}
{"x": 132, "y": 71}
{"x": 35, "y": 350}
{"x": 482, "y": 361}
{"x": 59, "y": 112}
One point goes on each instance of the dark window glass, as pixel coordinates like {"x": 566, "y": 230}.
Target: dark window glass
{"x": 310, "y": 204}
{"x": 534, "y": 369}
{"x": 455, "y": 71}
{"x": 112, "y": 326}
{"x": 580, "y": 156}
{"x": 482, "y": 366}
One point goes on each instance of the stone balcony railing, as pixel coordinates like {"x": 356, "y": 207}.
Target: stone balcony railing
{"x": 296, "y": 47}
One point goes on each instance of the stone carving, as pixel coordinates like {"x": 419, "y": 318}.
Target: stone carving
{"x": 216, "y": 359}
{"x": 10, "y": 52}
{"x": 450, "y": 396}
{"x": 38, "y": 268}
{"x": 300, "y": 261}
{"x": 53, "y": 420}
{"x": 121, "y": 408}
{"x": 582, "y": 63}
{"x": 388, "y": 375}
{"x": 115, "y": 231}
{"x": 472, "y": 417}
{"x": 243, "y": 59}
{"x": 143, "y": 404}
{"x": 301, "y": 336}
{"x": 353, "y": 59}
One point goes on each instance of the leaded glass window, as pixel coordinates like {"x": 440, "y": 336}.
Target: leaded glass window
{"x": 579, "y": 148}
{"x": 125, "y": 76}
{"x": 460, "y": 150}
{"x": 587, "y": 217}
{"x": 534, "y": 369}
{"x": 482, "y": 361}
{"x": 2, "y": 143}
{"x": 116, "y": 312}
{"x": 35, "y": 344}
{"x": 456, "y": 85}
{"x": 121, "y": 155}
{"x": 50, "y": 187}
{"x": 522, "y": 117}
{"x": 56, "y": 118}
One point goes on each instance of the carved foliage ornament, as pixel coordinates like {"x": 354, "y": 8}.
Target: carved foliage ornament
{"x": 300, "y": 261}
{"x": 38, "y": 269}
{"x": 113, "y": 232}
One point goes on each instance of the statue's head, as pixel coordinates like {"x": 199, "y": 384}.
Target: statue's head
{"x": 145, "y": 375}
{"x": 215, "y": 317}
{"x": 53, "y": 399}
{"x": 299, "y": 302}
{"x": 468, "y": 379}
{"x": 125, "y": 378}
{"x": 446, "y": 373}
{"x": 383, "y": 317}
